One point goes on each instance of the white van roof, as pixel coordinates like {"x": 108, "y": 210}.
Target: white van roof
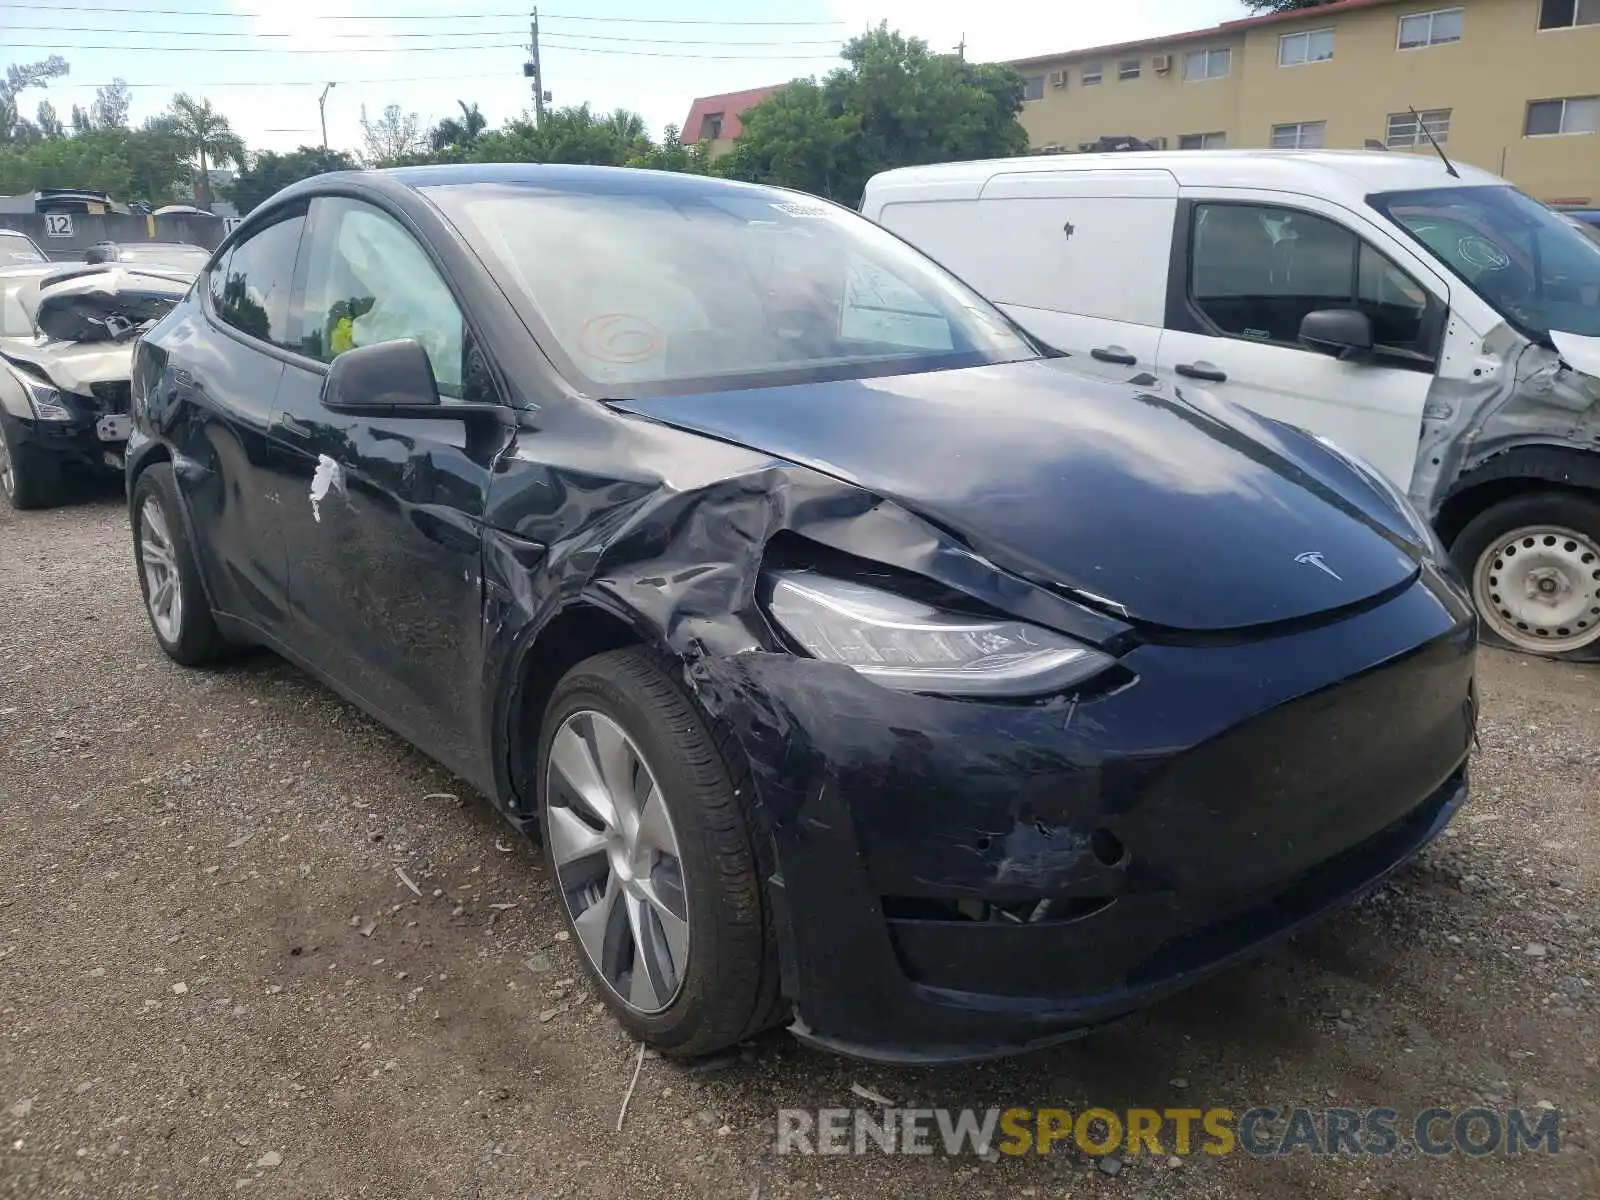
{"x": 1345, "y": 176}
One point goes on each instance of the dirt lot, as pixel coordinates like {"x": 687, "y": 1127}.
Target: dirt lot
{"x": 214, "y": 980}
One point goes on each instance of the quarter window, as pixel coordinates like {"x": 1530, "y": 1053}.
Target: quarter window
{"x": 1091, "y": 72}
{"x": 1202, "y": 141}
{"x": 250, "y": 289}
{"x": 1207, "y": 64}
{"x": 1307, "y": 135}
{"x": 1565, "y": 14}
{"x": 1575, "y": 114}
{"x": 1436, "y": 28}
{"x": 1406, "y": 130}
{"x": 1255, "y": 271}
{"x": 370, "y": 281}
{"x": 1128, "y": 68}
{"x": 1033, "y": 87}
{"x": 1315, "y": 45}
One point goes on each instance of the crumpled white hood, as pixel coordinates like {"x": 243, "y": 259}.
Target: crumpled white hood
{"x": 1579, "y": 352}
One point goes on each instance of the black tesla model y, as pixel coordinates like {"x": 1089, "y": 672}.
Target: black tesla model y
{"x": 858, "y": 663}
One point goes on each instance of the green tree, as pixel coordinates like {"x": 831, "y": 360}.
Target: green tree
{"x": 566, "y": 135}
{"x": 673, "y": 155}
{"x": 158, "y": 155}
{"x": 206, "y": 135}
{"x": 453, "y": 135}
{"x": 893, "y": 103}
{"x": 111, "y": 104}
{"x": 97, "y": 161}
{"x": 49, "y": 121}
{"x": 269, "y": 173}
{"x": 1272, "y": 6}
{"x": 392, "y": 139}
{"x": 14, "y": 127}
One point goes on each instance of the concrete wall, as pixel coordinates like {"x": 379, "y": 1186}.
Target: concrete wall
{"x": 87, "y": 229}
{"x": 1487, "y": 79}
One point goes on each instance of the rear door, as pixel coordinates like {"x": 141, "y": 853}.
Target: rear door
{"x": 1248, "y": 267}
{"x": 383, "y": 516}
{"x": 1077, "y": 258}
{"x": 224, "y": 369}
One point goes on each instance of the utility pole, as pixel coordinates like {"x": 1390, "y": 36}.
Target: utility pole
{"x": 961, "y": 48}
{"x": 532, "y": 68}
{"x": 322, "y": 109}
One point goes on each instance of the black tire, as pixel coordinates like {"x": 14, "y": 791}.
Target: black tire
{"x": 729, "y": 990}
{"x": 34, "y": 477}
{"x": 1481, "y": 535}
{"x": 198, "y": 639}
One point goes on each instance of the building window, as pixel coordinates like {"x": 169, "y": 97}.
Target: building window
{"x": 1091, "y": 72}
{"x": 1306, "y": 135}
{"x": 1315, "y": 45}
{"x": 1430, "y": 29}
{"x": 1207, "y": 64}
{"x": 1128, "y": 68}
{"x": 1566, "y": 14}
{"x": 711, "y": 126}
{"x": 1575, "y": 114}
{"x": 1202, "y": 141}
{"x": 1033, "y": 87}
{"x": 1405, "y": 130}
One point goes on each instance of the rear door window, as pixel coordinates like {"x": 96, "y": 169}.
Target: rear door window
{"x": 250, "y": 288}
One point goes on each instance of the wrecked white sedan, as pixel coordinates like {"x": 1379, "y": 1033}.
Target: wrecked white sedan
{"x": 66, "y": 347}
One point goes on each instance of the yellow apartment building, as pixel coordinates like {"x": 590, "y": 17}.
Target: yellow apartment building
{"x": 1512, "y": 86}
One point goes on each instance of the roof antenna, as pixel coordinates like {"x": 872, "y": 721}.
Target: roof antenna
{"x": 1428, "y": 133}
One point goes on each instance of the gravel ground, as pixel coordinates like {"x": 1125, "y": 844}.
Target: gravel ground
{"x": 215, "y": 981}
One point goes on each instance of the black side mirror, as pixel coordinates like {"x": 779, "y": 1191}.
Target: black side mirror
{"x": 384, "y": 379}
{"x": 1343, "y": 333}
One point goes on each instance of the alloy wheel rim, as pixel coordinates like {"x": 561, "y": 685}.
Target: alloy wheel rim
{"x": 617, "y": 861}
{"x": 1539, "y": 588}
{"x": 164, "y": 596}
{"x": 8, "y": 480}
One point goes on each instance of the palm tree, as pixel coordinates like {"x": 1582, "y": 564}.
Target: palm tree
{"x": 459, "y": 134}
{"x": 206, "y": 134}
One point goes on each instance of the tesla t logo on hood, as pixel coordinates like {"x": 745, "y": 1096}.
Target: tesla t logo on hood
{"x": 1313, "y": 558}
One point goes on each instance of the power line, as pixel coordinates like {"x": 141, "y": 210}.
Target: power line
{"x": 484, "y": 16}
{"x": 581, "y": 37}
{"x": 410, "y": 50}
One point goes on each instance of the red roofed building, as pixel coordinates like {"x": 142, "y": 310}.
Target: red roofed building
{"x": 715, "y": 119}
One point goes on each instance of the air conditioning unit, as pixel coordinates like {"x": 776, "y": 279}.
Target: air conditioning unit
{"x": 1161, "y": 63}
{"x": 1058, "y": 79}
{"x": 1157, "y": 143}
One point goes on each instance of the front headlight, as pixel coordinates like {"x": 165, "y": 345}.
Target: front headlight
{"x": 45, "y": 400}
{"x": 914, "y": 647}
{"x": 1386, "y": 488}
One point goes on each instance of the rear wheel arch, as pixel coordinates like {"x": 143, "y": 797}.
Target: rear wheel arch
{"x": 1518, "y": 472}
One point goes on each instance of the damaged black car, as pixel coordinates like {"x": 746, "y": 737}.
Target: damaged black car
{"x": 66, "y": 348}
{"x": 858, "y": 663}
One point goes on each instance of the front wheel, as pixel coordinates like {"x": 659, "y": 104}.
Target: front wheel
{"x": 648, "y": 839}
{"x": 29, "y": 478}
{"x": 1534, "y": 565}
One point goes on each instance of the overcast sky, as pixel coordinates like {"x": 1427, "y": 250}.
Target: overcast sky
{"x": 654, "y": 56}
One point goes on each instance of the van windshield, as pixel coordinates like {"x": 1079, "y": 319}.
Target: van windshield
{"x": 685, "y": 289}
{"x": 1538, "y": 272}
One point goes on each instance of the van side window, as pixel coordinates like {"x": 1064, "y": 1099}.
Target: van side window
{"x": 1255, "y": 271}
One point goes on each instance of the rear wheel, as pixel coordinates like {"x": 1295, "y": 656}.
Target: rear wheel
{"x": 28, "y": 478}
{"x": 647, "y": 837}
{"x": 174, "y": 599}
{"x": 1534, "y": 565}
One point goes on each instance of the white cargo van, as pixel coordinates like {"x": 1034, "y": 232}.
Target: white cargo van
{"x": 1431, "y": 319}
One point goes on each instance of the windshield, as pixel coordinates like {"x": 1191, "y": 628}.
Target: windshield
{"x": 1536, "y": 269}
{"x": 15, "y": 248}
{"x": 684, "y": 289}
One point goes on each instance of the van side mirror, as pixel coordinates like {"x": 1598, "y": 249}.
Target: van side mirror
{"x": 384, "y": 379}
{"x": 1341, "y": 333}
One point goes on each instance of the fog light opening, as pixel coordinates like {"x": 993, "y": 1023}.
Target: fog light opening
{"x": 1106, "y": 847}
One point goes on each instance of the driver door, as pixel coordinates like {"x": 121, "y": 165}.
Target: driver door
{"x": 1254, "y": 264}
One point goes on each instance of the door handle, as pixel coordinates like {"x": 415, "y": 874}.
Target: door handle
{"x": 290, "y": 425}
{"x": 1113, "y": 354}
{"x": 1199, "y": 371}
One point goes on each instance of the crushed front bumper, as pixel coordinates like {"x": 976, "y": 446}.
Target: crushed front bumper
{"x": 957, "y": 880}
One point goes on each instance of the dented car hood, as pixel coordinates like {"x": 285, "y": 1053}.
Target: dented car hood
{"x": 1578, "y": 352}
{"x": 72, "y": 366}
{"x": 1075, "y": 485}
{"x": 107, "y": 305}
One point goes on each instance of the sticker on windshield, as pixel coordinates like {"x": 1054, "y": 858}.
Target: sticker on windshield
{"x": 801, "y": 210}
